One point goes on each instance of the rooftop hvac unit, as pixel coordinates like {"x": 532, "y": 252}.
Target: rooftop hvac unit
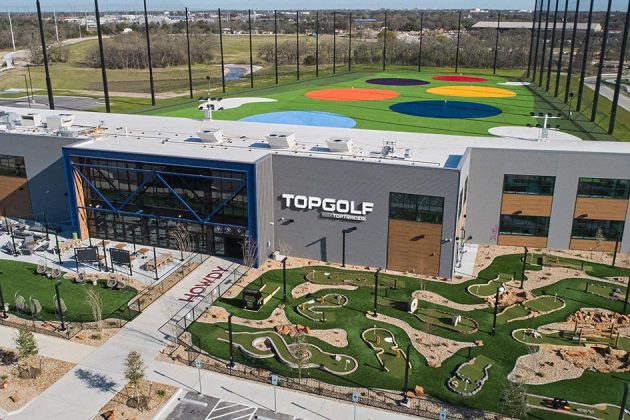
{"x": 31, "y": 120}
{"x": 281, "y": 140}
{"x": 211, "y": 135}
{"x": 408, "y": 154}
{"x": 59, "y": 121}
{"x": 339, "y": 144}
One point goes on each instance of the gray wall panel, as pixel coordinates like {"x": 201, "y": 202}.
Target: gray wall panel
{"x": 488, "y": 167}
{"x": 44, "y": 169}
{"x": 312, "y": 236}
{"x": 264, "y": 207}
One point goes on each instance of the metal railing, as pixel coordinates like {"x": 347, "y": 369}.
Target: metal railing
{"x": 189, "y": 313}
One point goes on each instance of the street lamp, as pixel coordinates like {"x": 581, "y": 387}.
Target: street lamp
{"x": 284, "y": 280}
{"x": 378, "y": 270}
{"x": 59, "y": 308}
{"x": 524, "y": 264}
{"x": 231, "y": 364}
{"x": 570, "y": 102}
{"x": 343, "y": 243}
{"x": 625, "y": 302}
{"x": 405, "y": 400}
{"x": 4, "y": 309}
{"x": 496, "y": 307}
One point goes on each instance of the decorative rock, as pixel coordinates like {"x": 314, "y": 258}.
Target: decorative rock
{"x": 411, "y": 394}
{"x": 418, "y": 390}
{"x": 109, "y": 415}
{"x": 14, "y": 397}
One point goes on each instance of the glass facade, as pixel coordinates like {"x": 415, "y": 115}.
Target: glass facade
{"x": 604, "y": 188}
{"x": 528, "y": 184}
{"x": 12, "y": 166}
{"x": 607, "y": 230}
{"x": 524, "y": 225}
{"x": 419, "y": 208}
{"x": 149, "y": 200}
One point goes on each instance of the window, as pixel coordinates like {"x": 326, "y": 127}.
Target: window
{"x": 604, "y": 188}
{"x": 419, "y": 208}
{"x": 528, "y": 184}
{"x": 524, "y": 225}
{"x": 608, "y": 230}
{"x": 12, "y": 166}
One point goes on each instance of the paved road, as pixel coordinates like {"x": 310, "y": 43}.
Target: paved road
{"x": 193, "y": 406}
{"x": 606, "y": 91}
{"x": 72, "y": 103}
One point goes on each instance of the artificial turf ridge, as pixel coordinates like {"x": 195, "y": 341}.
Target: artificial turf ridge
{"x": 18, "y": 277}
{"x": 501, "y": 348}
{"x": 376, "y": 114}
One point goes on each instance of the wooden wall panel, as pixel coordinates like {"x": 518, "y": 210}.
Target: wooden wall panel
{"x": 407, "y": 250}
{"x": 15, "y": 196}
{"x": 592, "y": 245}
{"x": 521, "y": 240}
{"x": 601, "y": 208}
{"x": 526, "y": 205}
{"x": 78, "y": 188}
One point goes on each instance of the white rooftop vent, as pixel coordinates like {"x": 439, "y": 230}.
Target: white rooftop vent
{"x": 281, "y": 140}
{"x": 211, "y": 135}
{"x": 31, "y": 120}
{"x": 408, "y": 154}
{"x": 59, "y": 121}
{"x": 340, "y": 144}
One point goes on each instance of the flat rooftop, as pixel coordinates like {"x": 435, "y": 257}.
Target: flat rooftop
{"x": 246, "y": 142}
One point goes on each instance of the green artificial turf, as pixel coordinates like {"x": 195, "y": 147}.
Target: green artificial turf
{"x": 18, "y": 277}
{"x": 393, "y": 301}
{"x": 376, "y": 114}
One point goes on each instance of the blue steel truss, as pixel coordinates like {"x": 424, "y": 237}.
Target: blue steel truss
{"x": 155, "y": 175}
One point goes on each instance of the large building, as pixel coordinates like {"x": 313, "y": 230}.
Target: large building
{"x": 402, "y": 201}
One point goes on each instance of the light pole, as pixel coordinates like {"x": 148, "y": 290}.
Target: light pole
{"x": 625, "y": 302}
{"x": 622, "y": 410}
{"x": 59, "y": 308}
{"x": 4, "y": 309}
{"x": 496, "y": 308}
{"x": 405, "y": 400}
{"x": 284, "y": 279}
{"x": 343, "y": 243}
{"x": 378, "y": 270}
{"x": 615, "y": 252}
{"x": 231, "y": 364}
{"x": 523, "y": 268}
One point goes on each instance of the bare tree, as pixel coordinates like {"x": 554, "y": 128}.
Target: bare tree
{"x": 134, "y": 373}
{"x": 182, "y": 238}
{"x": 250, "y": 251}
{"x": 95, "y": 301}
{"x": 513, "y": 400}
{"x": 300, "y": 352}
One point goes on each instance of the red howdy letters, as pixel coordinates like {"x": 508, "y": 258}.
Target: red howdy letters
{"x": 200, "y": 288}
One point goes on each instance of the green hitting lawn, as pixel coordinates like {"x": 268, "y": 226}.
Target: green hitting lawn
{"x": 20, "y": 278}
{"x": 375, "y": 114}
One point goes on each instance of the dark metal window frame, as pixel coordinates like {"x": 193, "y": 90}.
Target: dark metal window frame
{"x": 517, "y": 225}
{"x": 620, "y": 188}
{"x": 531, "y": 181}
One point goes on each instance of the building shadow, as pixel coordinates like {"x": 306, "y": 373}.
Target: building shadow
{"x": 323, "y": 254}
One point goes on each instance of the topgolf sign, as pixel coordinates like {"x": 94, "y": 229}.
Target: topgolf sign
{"x": 330, "y": 207}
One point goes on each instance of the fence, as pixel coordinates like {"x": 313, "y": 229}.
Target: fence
{"x": 423, "y": 406}
{"x": 188, "y": 314}
{"x": 170, "y": 279}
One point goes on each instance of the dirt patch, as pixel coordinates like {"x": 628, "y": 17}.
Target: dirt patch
{"x": 119, "y": 405}
{"x": 434, "y": 348}
{"x": 335, "y": 336}
{"x": 543, "y": 367}
{"x": 15, "y": 392}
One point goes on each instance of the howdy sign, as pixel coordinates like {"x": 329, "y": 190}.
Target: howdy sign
{"x": 199, "y": 289}
{"x": 330, "y": 207}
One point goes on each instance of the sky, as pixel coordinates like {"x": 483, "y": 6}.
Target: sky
{"x": 83, "y": 5}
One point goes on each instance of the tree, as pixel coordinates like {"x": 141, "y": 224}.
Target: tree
{"x": 513, "y": 400}
{"x": 26, "y": 346}
{"x": 182, "y": 239}
{"x": 300, "y": 352}
{"x": 134, "y": 373}
{"x": 250, "y": 251}
{"x": 95, "y": 301}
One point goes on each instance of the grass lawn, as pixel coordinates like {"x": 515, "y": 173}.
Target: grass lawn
{"x": 605, "y": 290}
{"x": 600, "y": 411}
{"x": 591, "y": 268}
{"x": 18, "y": 277}
{"x": 444, "y": 319}
{"x": 467, "y": 375}
{"x": 502, "y": 348}
{"x": 377, "y": 115}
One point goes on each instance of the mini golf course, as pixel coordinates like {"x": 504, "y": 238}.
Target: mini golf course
{"x": 384, "y": 344}
{"x": 470, "y": 376}
{"x": 444, "y": 319}
{"x": 323, "y": 308}
{"x": 490, "y": 288}
{"x": 530, "y": 308}
{"x": 555, "y": 302}
{"x": 266, "y": 344}
{"x": 393, "y": 100}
